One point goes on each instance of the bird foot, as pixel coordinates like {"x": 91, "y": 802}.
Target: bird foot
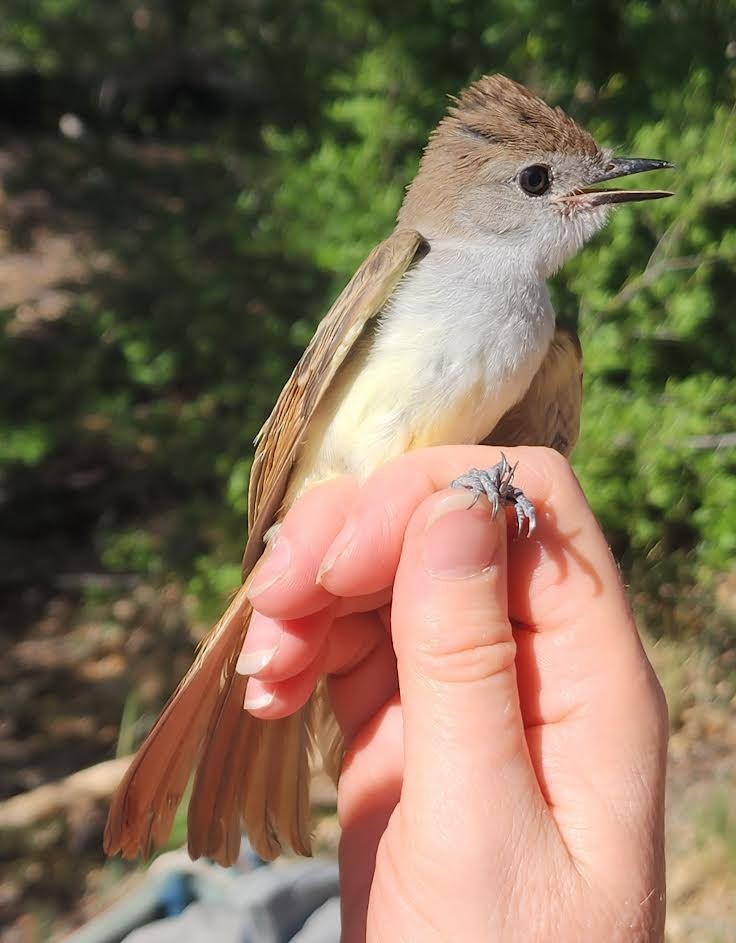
{"x": 496, "y": 483}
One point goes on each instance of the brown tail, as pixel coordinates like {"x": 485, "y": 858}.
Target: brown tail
{"x": 246, "y": 768}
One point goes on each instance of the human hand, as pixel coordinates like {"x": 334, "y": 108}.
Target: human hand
{"x": 504, "y": 771}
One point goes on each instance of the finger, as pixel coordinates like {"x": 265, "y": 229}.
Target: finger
{"x": 364, "y": 556}
{"x": 342, "y": 653}
{"x": 277, "y": 649}
{"x": 581, "y": 665}
{"x": 367, "y": 707}
{"x": 369, "y": 603}
{"x": 362, "y": 668}
{"x": 370, "y": 788}
{"x": 582, "y": 671}
{"x": 574, "y": 624}
{"x": 597, "y": 743}
{"x": 464, "y": 738}
{"x": 284, "y": 582}
{"x": 570, "y": 550}
{"x": 270, "y": 701}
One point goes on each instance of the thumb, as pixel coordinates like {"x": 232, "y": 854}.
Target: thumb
{"x": 463, "y": 731}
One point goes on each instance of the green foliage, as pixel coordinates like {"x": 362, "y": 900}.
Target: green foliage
{"x": 659, "y": 337}
{"x": 237, "y": 163}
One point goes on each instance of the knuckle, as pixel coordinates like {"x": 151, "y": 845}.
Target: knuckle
{"x": 464, "y": 655}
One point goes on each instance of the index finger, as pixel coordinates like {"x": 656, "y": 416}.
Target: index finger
{"x": 561, "y": 577}
{"x": 283, "y": 583}
{"x": 363, "y": 557}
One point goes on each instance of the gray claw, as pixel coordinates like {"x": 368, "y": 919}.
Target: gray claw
{"x": 524, "y": 512}
{"x": 496, "y": 484}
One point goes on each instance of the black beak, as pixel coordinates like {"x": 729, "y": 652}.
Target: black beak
{"x": 622, "y": 167}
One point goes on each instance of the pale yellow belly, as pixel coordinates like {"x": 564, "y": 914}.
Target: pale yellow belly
{"x": 377, "y": 413}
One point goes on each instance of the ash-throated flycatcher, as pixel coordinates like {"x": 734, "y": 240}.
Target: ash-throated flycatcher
{"x": 445, "y": 335}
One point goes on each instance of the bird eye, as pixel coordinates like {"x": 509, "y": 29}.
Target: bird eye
{"x": 535, "y": 180}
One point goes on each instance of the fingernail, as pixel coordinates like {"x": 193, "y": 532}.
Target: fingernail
{"x": 339, "y": 546}
{"x": 258, "y": 699}
{"x": 456, "y": 500}
{"x": 459, "y": 543}
{"x": 250, "y": 663}
{"x": 274, "y": 566}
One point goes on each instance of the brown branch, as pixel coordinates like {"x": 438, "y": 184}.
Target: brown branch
{"x": 96, "y": 783}
{"x": 726, "y": 440}
{"x": 29, "y": 808}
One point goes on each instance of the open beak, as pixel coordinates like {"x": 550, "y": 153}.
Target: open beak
{"x": 621, "y": 167}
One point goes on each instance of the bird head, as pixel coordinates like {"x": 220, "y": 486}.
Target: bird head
{"x": 505, "y": 168}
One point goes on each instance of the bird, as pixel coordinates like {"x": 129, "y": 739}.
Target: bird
{"x": 445, "y": 334}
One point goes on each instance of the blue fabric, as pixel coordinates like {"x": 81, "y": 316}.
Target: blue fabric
{"x": 278, "y": 903}
{"x": 283, "y": 902}
{"x": 176, "y": 894}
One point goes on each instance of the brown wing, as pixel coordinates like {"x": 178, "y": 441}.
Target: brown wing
{"x": 278, "y": 442}
{"x": 204, "y": 722}
{"x": 549, "y": 413}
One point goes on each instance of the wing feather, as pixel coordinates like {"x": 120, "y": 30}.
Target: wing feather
{"x": 279, "y": 441}
{"x": 549, "y": 412}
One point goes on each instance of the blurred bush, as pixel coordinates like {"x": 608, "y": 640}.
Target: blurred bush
{"x": 221, "y": 168}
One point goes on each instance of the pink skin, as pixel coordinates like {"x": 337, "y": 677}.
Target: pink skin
{"x": 513, "y": 789}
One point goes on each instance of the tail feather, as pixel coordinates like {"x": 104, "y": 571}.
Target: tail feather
{"x": 214, "y": 814}
{"x": 330, "y": 743}
{"x": 145, "y": 803}
{"x": 275, "y": 798}
{"x": 254, "y": 795}
{"x": 246, "y": 768}
{"x": 289, "y": 775}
